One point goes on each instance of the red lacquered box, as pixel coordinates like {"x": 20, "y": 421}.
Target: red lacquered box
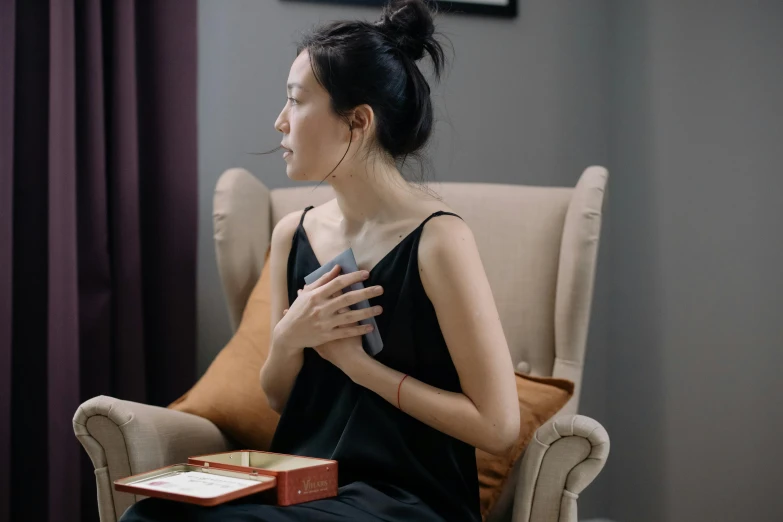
{"x": 299, "y": 479}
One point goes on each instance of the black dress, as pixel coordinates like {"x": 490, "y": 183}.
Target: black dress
{"x": 392, "y": 467}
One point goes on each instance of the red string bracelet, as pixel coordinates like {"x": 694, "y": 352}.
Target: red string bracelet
{"x": 398, "y": 390}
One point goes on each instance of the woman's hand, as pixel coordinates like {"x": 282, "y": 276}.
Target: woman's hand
{"x": 341, "y": 352}
{"x": 321, "y": 314}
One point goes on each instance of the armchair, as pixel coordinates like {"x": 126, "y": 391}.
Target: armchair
{"x": 543, "y": 288}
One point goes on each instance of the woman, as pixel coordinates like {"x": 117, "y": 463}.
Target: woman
{"x": 403, "y": 425}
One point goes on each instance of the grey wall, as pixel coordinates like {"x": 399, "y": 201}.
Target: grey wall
{"x": 525, "y": 101}
{"x": 696, "y": 251}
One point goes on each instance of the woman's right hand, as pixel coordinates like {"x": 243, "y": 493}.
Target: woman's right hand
{"x": 321, "y": 311}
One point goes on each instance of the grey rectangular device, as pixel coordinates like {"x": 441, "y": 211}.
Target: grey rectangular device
{"x": 347, "y": 263}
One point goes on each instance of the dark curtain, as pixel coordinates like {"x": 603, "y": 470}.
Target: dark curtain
{"x": 98, "y": 210}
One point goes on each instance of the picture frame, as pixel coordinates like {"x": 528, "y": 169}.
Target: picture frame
{"x": 499, "y": 8}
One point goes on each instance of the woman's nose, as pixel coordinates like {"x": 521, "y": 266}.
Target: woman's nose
{"x": 280, "y": 124}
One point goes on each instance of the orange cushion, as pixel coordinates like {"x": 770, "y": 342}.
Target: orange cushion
{"x": 540, "y": 398}
{"x": 229, "y": 393}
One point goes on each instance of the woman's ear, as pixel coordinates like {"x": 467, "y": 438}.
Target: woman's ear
{"x": 363, "y": 118}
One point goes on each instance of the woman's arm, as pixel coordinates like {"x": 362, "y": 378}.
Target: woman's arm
{"x": 486, "y": 414}
{"x": 283, "y": 363}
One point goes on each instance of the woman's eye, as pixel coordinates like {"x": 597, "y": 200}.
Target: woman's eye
{"x": 293, "y": 101}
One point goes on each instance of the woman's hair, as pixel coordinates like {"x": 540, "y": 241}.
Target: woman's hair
{"x": 360, "y": 62}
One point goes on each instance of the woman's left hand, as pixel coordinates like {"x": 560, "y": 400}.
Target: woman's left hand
{"x": 343, "y": 353}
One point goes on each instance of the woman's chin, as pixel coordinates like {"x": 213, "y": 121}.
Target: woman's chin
{"x": 297, "y": 174}
{"x": 294, "y": 175}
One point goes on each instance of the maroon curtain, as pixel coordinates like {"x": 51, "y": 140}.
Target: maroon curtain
{"x": 98, "y": 216}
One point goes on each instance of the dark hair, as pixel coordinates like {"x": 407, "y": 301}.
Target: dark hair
{"x": 360, "y": 62}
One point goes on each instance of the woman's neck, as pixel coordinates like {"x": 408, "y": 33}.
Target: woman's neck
{"x": 374, "y": 196}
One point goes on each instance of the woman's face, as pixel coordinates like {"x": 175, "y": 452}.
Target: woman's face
{"x": 316, "y": 137}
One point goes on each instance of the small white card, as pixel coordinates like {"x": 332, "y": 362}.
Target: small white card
{"x": 195, "y": 483}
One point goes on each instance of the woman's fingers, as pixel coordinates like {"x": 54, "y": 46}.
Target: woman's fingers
{"x": 337, "y": 284}
{"x": 341, "y": 310}
{"x": 354, "y": 316}
{"x": 335, "y": 296}
{"x": 334, "y": 286}
{"x": 321, "y": 281}
{"x": 352, "y": 331}
{"x": 355, "y": 296}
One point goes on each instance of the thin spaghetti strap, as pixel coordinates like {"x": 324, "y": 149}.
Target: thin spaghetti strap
{"x": 439, "y": 213}
{"x": 301, "y": 219}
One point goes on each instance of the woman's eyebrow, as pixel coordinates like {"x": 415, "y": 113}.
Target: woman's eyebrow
{"x": 297, "y": 85}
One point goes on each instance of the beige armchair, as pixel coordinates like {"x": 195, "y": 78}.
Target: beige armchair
{"x": 538, "y": 246}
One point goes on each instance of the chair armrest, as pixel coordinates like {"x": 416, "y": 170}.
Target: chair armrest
{"x": 564, "y": 457}
{"x": 124, "y": 438}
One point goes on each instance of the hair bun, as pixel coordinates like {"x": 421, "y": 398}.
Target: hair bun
{"x": 408, "y": 24}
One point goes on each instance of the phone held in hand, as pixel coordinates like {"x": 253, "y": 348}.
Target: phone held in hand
{"x": 373, "y": 343}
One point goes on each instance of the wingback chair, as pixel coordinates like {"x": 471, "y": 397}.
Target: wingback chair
{"x": 538, "y": 246}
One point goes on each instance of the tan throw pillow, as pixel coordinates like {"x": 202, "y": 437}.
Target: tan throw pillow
{"x": 229, "y": 393}
{"x": 540, "y": 398}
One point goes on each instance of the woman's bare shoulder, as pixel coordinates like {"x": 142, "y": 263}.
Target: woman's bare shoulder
{"x": 283, "y": 233}
{"x": 444, "y": 233}
{"x": 322, "y": 218}
{"x": 288, "y": 224}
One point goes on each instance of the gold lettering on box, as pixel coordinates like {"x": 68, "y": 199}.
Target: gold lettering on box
{"x": 311, "y": 486}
